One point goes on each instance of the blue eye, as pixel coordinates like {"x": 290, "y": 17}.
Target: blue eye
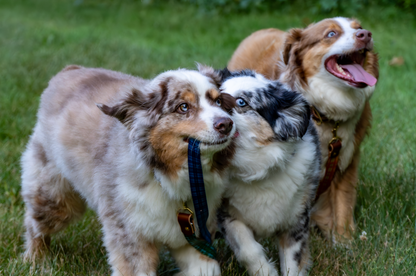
{"x": 240, "y": 102}
{"x": 331, "y": 34}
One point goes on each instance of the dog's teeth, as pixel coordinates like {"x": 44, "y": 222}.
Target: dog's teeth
{"x": 340, "y": 69}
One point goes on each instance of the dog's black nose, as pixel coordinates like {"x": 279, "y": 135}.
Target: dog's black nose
{"x": 223, "y": 125}
{"x": 364, "y": 35}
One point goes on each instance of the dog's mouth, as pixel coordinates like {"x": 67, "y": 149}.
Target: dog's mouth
{"x": 214, "y": 143}
{"x": 349, "y": 67}
{"x": 211, "y": 143}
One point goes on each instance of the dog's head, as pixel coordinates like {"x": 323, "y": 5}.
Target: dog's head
{"x": 337, "y": 50}
{"x": 175, "y": 106}
{"x": 265, "y": 108}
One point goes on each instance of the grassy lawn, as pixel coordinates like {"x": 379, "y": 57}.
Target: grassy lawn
{"x": 38, "y": 38}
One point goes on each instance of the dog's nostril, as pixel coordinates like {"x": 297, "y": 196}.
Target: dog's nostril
{"x": 223, "y": 125}
{"x": 364, "y": 35}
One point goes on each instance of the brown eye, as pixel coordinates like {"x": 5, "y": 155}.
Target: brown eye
{"x": 218, "y": 102}
{"x": 183, "y": 108}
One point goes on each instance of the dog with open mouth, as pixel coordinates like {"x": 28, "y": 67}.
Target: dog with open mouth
{"x": 126, "y": 158}
{"x": 333, "y": 65}
{"x": 274, "y": 174}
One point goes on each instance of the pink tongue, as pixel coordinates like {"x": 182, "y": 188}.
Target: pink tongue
{"x": 359, "y": 74}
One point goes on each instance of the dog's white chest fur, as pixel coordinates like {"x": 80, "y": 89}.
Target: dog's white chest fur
{"x": 272, "y": 201}
{"x": 338, "y": 102}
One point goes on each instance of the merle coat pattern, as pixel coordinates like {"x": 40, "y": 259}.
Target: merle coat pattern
{"x": 275, "y": 172}
{"x": 127, "y": 159}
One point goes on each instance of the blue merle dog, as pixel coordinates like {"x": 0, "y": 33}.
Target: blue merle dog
{"x": 275, "y": 172}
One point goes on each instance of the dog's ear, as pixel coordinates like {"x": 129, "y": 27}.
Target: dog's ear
{"x": 217, "y": 75}
{"x": 223, "y": 74}
{"x": 135, "y": 101}
{"x": 209, "y": 72}
{"x": 286, "y": 111}
{"x": 295, "y": 119}
{"x": 292, "y": 39}
{"x": 125, "y": 109}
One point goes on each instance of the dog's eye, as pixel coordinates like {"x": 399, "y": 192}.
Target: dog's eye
{"x": 183, "y": 108}
{"x": 240, "y": 102}
{"x": 218, "y": 102}
{"x": 331, "y": 34}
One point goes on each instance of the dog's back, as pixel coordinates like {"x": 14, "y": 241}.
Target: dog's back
{"x": 72, "y": 134}
{"x": 261, "y": 52}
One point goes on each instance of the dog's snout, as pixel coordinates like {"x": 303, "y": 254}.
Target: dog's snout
{"x": 223, "y": 125}
{"x": 364, "y": 36}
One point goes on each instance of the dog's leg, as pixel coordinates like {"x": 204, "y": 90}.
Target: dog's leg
{"x": 129, "y": 253}
{"x": 333, "y": 212}
{"x": 193, "y": 263}
{"x": 294, "y": 248}
{"x": 344, "y": 198}
{"x": 51, "y": 203}
{"x": 322, "y": 213}
{"x": 247, "y": 250}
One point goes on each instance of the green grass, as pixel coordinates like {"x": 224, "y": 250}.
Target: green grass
{"x": 38, "y": 38}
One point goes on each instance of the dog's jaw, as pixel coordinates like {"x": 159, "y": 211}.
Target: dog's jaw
{"x": 334, "y": 98}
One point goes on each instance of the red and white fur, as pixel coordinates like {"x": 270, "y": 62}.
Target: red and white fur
{"x": 316, "y": 62}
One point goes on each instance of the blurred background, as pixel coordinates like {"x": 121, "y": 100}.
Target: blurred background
{"x": 143, "y": 38}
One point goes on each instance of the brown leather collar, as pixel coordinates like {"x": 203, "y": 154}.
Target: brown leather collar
{"x": 319, "y": 117}
{"x": 334, "y": 148}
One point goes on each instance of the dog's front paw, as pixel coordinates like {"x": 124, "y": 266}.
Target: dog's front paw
{"x": 265, "y": 269}
{"x": 199, "y": 272}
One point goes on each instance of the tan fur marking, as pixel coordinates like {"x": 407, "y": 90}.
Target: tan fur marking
{"x": 189, "y": 97}
{"x": 264, "y": 133}
{"x": 167, "y": 140}
{"x": 212, "y": 95}
{"x": 180, "y": 92}
{"x": 355, "y": 24}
